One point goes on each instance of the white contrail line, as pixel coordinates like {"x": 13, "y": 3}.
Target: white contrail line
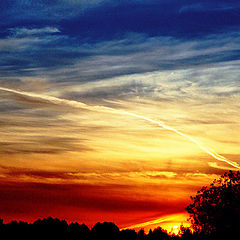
{"x": 214, "y": 155}
{"x": 81, "y": 105}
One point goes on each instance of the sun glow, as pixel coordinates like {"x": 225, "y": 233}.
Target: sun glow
{"x": 175, "y": 230}
{"x": 170, "y": 223}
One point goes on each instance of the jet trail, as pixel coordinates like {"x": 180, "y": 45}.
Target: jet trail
{"x": 81, "y": 105}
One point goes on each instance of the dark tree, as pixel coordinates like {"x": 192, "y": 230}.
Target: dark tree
{"x": 186, "y": 233}
{"x": 49, "y": 228}
{"x": 215, "y": 210}
{"x": 77, "y": 228}
{"x": 128, "y": 234}
{"x": 1, "y": 226}
{"x": 157, "y": 234}
{"x": 105, "y": 230}
{"x": 141, "y": 235}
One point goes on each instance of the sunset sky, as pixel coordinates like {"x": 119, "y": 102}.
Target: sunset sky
{"x": 116, "y": 110}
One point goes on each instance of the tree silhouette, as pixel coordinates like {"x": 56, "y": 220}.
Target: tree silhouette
{"x": 128, "y": 234}
{"x": 105, "y": 230}
{"x": 77, "y": 229}
{"x": 50, "y": 228}
{"x": 158, "y": 233}
{"x": 186, "y": 233}
{"x": 215, "y": 209}
{"x": 141, "y": 235}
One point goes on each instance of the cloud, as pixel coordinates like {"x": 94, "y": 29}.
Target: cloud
{"x": 42, "y": 145}
{"x": 109, "y": 91}
{"x": 210, "y": 6}
{"x": 112, "y": 111}
{"x": 215, "y": 165}
{"x": 34, "y": 175}
{"x": 31, "y": 11}
{"x": 108, "y": 19}
{"x": 78, "y": 176}
{"x": 62, "y": 59}
{"x": 23, "y": 32}
{"x": 193, "y": 8}
{"x": 165, "y": 220}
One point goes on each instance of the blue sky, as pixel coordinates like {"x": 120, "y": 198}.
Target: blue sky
{"x": 47, "y": 36}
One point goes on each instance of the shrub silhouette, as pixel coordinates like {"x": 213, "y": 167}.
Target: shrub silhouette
{"x": 215, "y": 210}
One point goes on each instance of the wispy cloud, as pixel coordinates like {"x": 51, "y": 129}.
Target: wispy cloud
{"x": 103, "y": 109}
{"x": 42, "y": 145}
{"x": 210, "y": 6}
{"x": 49, "y": 55}
{"x": 23, "y": 32}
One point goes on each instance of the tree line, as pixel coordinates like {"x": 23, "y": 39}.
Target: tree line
{"x": 214, "y": 214}
{"x": 54, "y": 228}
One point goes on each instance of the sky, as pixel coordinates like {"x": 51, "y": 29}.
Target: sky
{"x": 116, "y": 110}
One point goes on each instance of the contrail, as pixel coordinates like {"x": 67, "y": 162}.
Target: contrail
{"x": 76, "y": 104}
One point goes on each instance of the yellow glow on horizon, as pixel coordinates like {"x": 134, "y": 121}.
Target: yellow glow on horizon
{"x": 170, "y": 223}
{"x": 175, "y": 230}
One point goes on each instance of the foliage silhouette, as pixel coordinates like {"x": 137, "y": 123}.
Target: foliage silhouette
{"x": 128, "y": 234}
{"x": 141, "y": 235}
{"x": 105, "y": 230}
{"x": 157, "y": 234}
{"x": 215, "y": 210}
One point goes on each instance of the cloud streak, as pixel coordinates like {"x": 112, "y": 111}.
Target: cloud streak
{"x": 76, "y": 104}
{"x": 169, "y": 218}
{"x": 49, "y": 53}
